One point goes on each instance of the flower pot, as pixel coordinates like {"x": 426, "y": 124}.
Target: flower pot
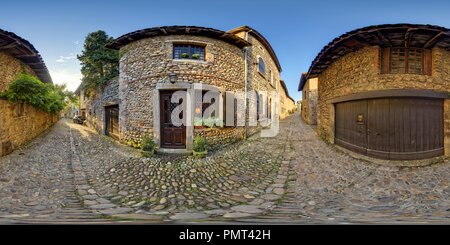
{"x": 147, "y": 153}
{"x": 199, "y": 154}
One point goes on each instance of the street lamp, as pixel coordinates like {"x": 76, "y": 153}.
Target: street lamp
{"x": 172, "y": 77}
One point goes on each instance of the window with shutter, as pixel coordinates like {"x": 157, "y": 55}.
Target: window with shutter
{"x": 406, "y": 61}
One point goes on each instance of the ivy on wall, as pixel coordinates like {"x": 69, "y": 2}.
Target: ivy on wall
{"x": 30, "y": 90}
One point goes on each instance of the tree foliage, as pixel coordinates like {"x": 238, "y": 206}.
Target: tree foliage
{"x": 98, "y": 63}
{"x": 29, "y": 89}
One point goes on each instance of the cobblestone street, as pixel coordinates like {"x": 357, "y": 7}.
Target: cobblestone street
{"x": 71, "y": 174}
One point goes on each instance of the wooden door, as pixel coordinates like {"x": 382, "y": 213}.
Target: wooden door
{"x": 416, "y": 128}
{"x": 112, "y": 121}
{"x": 378, "y": 128}
{"x": 172, "y": 137}
{"x": 351, "y": 125}
{"x": 391, "y": 128}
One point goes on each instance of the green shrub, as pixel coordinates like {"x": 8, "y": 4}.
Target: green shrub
{"x": 196, "y": 56}
{"x": 30, "y": 90}
{"x": 200, "y": 144}
{"x": 219, "y": 123}
{"x": 147, "y": 144}
{"x": 198, "y": 121}
{"x": 209, "y": 122}
{"x": 184, "y": 56}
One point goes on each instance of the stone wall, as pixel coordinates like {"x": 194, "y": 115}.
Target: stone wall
{"x": 10, "y": 68}
{"x": 21, "y": 123}
{"x": 146, "y": 63}
{"x": 310, "y": 98}
{"x": 217, "y": 138}
{"x": 95, "y": 105}
{"x": 18, "y": 123}
{"x": 287, "y": 106}
{"x": 360, "y": 72}
{"x": 257, "y": 81}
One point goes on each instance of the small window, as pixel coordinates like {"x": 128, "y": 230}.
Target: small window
{"x": 406, "y": 61}
{"x": 188, "y": 51}
{"x": 261, "y": 66}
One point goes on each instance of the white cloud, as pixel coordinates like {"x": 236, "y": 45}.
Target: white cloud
{"x": 64, "y": 59}
{"x": 76, "y": 42}
{"x": 72, "y": 79}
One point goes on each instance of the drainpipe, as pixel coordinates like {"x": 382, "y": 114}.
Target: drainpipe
{"x": 247, "y": 112}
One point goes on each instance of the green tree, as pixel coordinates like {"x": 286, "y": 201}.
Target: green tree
{"x": 98, "y": 63}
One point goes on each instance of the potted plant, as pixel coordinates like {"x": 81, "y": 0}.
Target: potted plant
{"x": 219, "y": 123}
{"x": 198, "y": 123}
{"x": 196, "y": 56}
{"x": 209, "y": 122}
{"x": 147, "y": 146}
{"x": 185, "y": 56}
{"x": 200, "y": 147}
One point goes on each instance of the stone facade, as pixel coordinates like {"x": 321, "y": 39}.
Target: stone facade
{"x": 147, "y": 64}
{"x": 257, "y": 81}
{"x": 287, "y": 104}
{"x": 19, "y": 123}
{"x": 360, "y": 71}
{"x": 10, "y": 68}
{"x": 144, "y": 69}
{"x": 94, "y": 104}
{"x": 309, "y": 103}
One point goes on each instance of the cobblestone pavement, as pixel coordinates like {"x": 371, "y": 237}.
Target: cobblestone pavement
{"x": 73, "y": 175}
{"x": 329, "y": 186}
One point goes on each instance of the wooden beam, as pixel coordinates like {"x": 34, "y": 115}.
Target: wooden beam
{"x": 408, "y": 36}
{"x": 433, "y": 40}
{"x": 391, "y": 93}
{"x": 26, "y": 56}
{"x": 9, "y": 46}
{"x": 384, "y": 39}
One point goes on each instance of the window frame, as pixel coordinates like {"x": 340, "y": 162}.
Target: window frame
{"x": 190, "y": 47}
{"x": 263, "y": 62}
{"x": 387, "y": 61}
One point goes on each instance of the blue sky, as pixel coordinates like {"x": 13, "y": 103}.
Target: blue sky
{"x": 297, "y": 30}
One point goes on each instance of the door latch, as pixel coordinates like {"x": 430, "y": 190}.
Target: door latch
{"x": 360, "y": 119}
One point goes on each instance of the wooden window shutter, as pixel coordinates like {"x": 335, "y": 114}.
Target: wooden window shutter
{"x": 224, "y": 99}
{"x": 385, "y": 60}
{"x": 427, "y": 62}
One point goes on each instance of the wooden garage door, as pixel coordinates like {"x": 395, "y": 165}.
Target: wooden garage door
{"x": 351, "y": 133}
{"x": 392, "y": 128}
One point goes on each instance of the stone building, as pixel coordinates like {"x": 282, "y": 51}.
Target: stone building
{"x": 19, "y": 123}
{"x": 156, "y": 63}
{"x": 309, "y": 88}
{"x": 100, "y": 108}
{"x": 263, "y": 72}
{"x": 287, "y": 103}
{"x": 384, "y": 91}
